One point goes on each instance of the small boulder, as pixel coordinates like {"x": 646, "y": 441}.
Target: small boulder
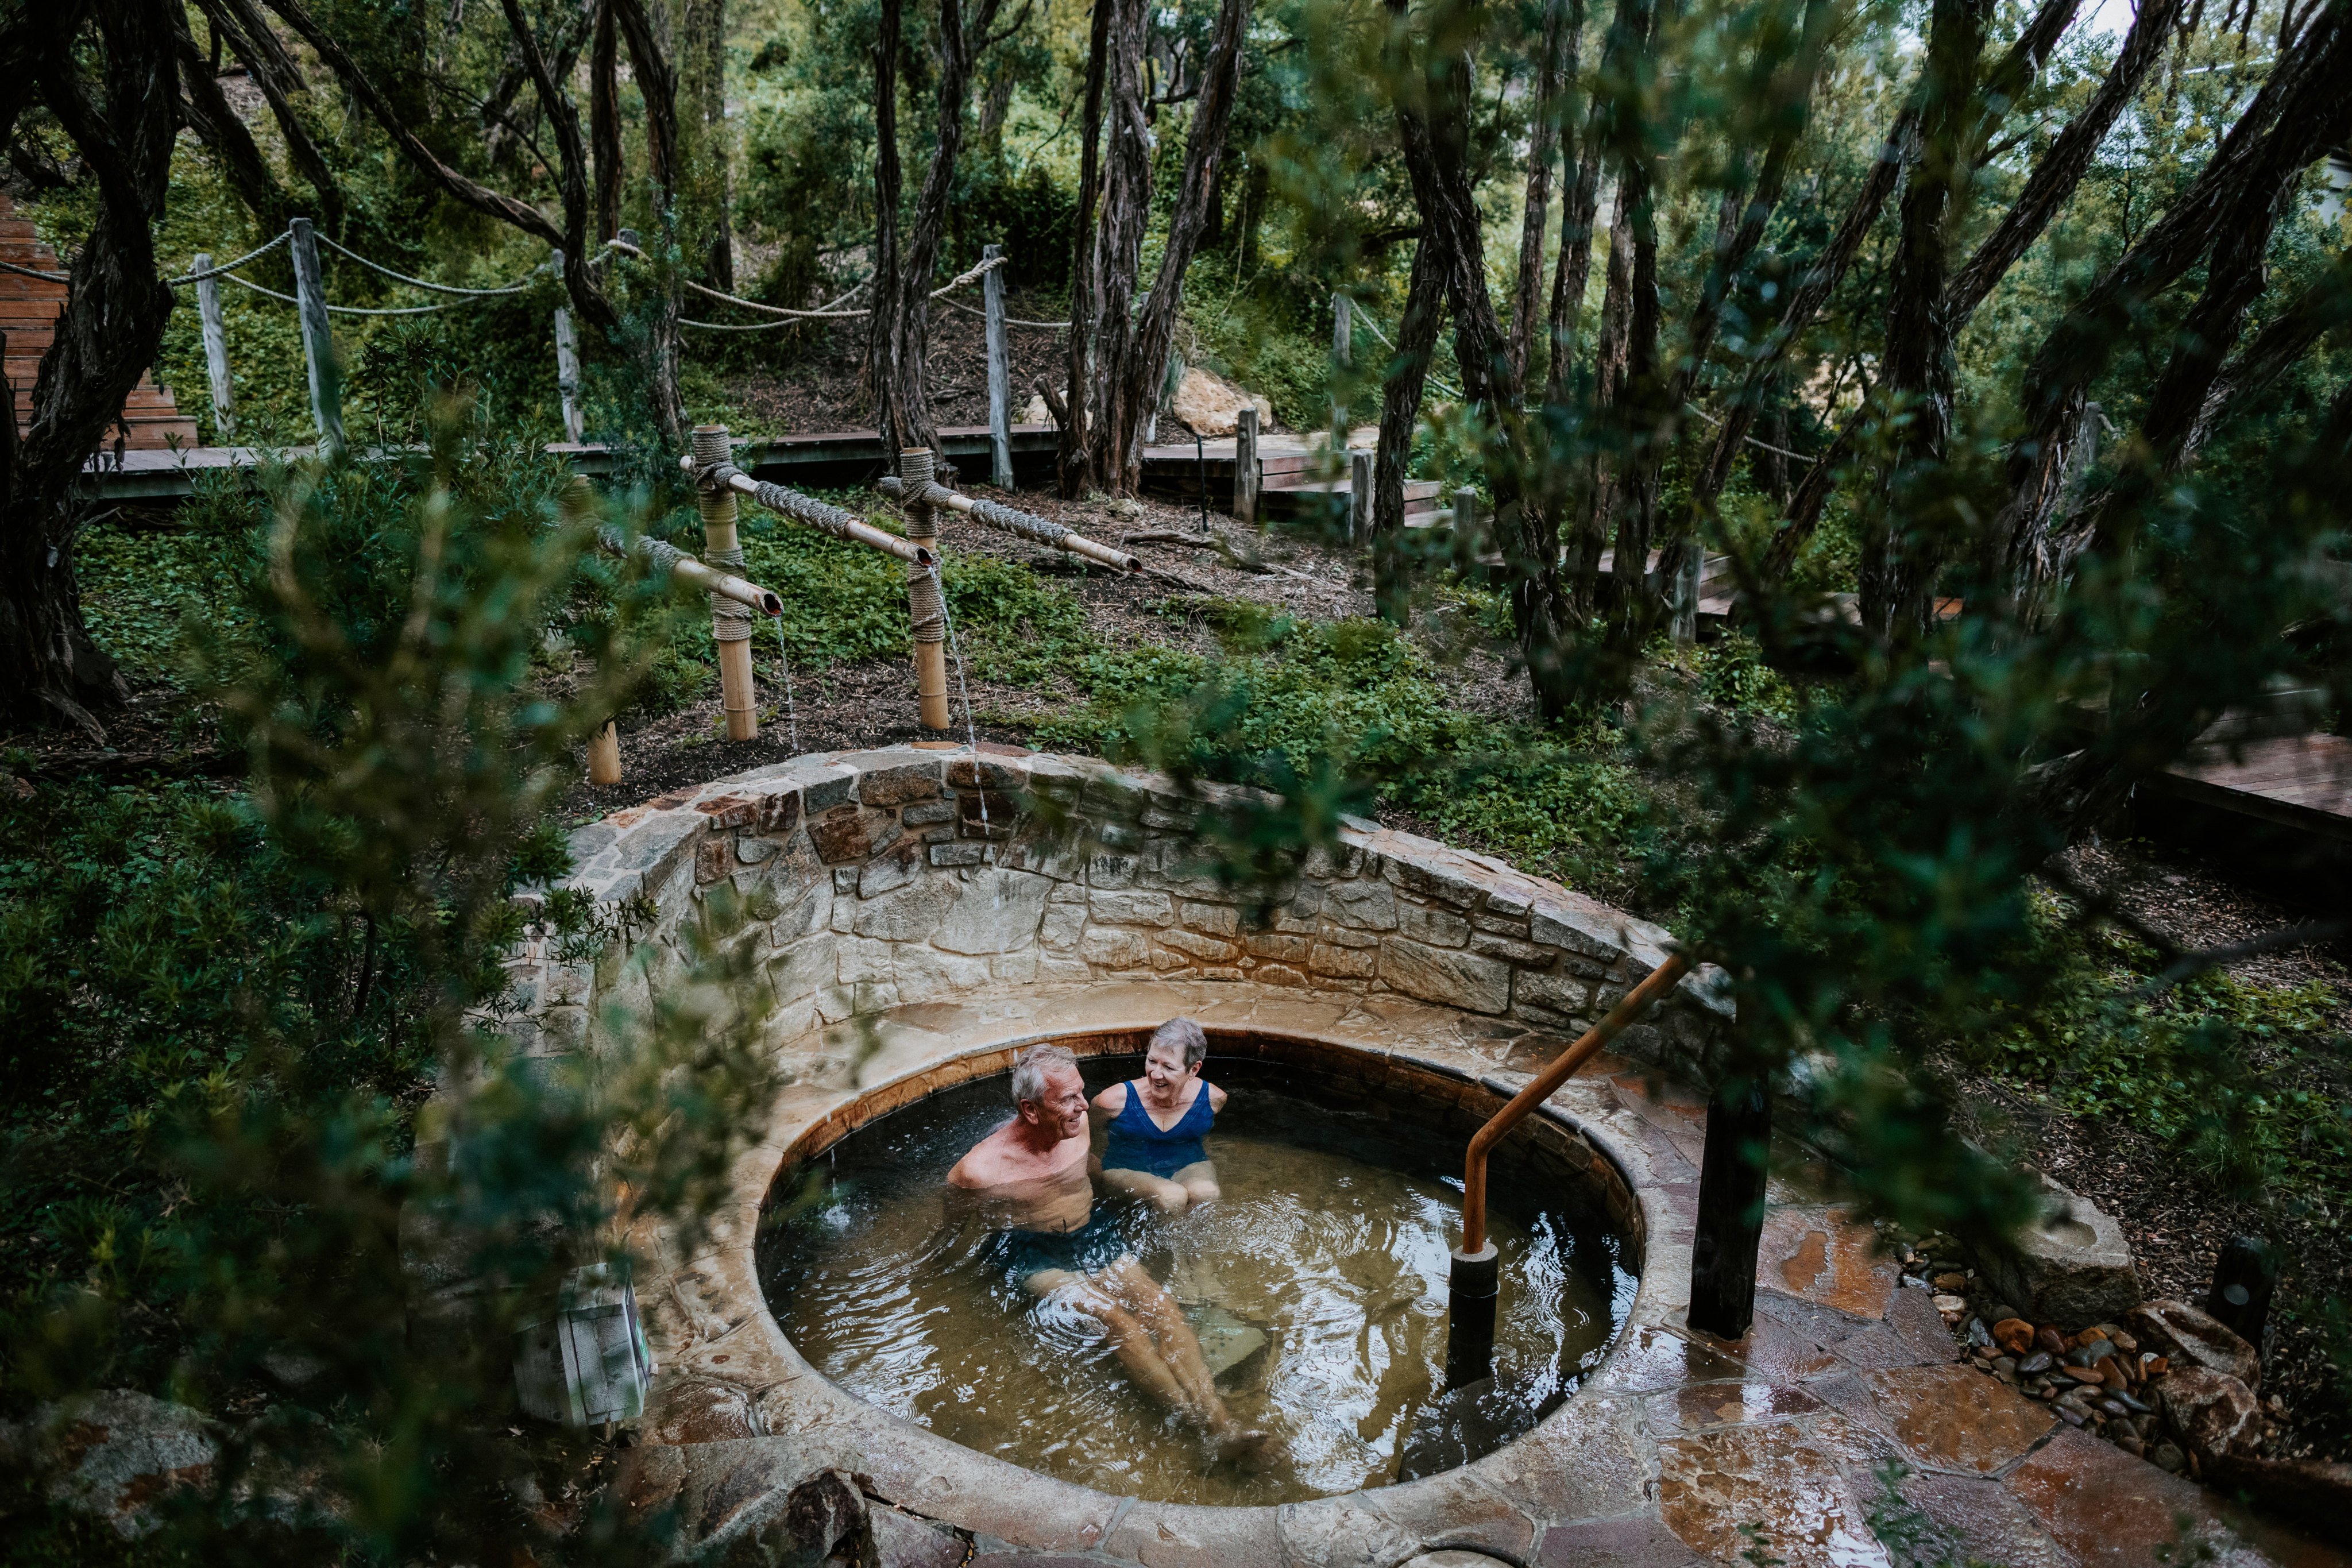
{"x": 1207, "y": 402}
{"x": 2072, "y": 1267}
{"x": 2187, "y": 1337}
{"x": 2214, "y": 1415}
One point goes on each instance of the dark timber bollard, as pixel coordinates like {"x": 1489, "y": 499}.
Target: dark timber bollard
{"x": 1730, "y": 1210}
{"x": 2243, "y": 1278}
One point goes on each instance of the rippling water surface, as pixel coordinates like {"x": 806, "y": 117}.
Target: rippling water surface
{"x": 1318, "y": 1285}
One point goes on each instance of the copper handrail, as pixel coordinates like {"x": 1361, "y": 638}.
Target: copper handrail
{"x": 1540, "y": 1088}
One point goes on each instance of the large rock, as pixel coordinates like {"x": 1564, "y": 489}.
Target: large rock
{"x": 1212, "y": 405}
{"x": 2214, "y": 1415}
{"x": 2186, "y": 1336}
{"x": 2072, "y": 1267}
{"x": 114, "y": 1454}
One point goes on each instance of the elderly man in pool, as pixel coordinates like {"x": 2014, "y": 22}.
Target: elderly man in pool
{"x": 1032, "y": 1182}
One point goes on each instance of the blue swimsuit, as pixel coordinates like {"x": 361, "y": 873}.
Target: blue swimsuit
{"x": 1137, "y": 1143}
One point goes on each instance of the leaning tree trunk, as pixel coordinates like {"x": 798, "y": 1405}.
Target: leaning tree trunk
{"x": 1069, "y": 405}
{"x": 1118, "y": 249}
{"x": 657, "y": 89}
{"x": 1424, "y": 307}
{"x": 51, "y": 670}
{"x": 604, "y": 119}
{"x": 901, "y": 323}
{"x": 1907, "y": 532}
{"x": 1563, "y": 20}
{"x": 884, "y": 379}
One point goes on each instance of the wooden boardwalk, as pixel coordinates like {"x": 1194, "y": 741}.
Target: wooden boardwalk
{"x": 2299, "y": 782}
{"x": 1294, "y": 479}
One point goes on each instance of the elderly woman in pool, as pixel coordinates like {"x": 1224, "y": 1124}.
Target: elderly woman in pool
{"x": 1030, "y": 1178}
{"x": 1155, "y": 1123}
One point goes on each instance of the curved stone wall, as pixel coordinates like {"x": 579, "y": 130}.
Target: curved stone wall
{"x": 905, "y": 877}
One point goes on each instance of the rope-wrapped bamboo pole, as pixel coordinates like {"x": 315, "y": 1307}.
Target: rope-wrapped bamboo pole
{"x": 1033, "y": 528}
{"x": 730, "y": 622}
{"x": 927, "y": 610}
{"x": 721, "y": 474}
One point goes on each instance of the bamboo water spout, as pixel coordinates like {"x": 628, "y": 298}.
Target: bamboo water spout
{"x": 807, "y": 510}
{"x": 1036, "y": 530}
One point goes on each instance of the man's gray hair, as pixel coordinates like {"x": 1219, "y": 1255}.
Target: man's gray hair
{"x": 1029, "y": 1073}
{"x": 1186, "y": 1034}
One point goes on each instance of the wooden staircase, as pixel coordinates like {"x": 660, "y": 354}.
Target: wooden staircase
{"x": 29, "y": 308}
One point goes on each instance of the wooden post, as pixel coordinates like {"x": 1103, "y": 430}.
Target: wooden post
{"x": 1731, "y": 1209}
{"x": 2243, "y": 1277}
{"x": 1343, "y": 355}
{"x": 1000, "y": 374}
{"x": 731, "y": 623}
{"x": 208, "y": 312}
{"x": 927, "y": 610}
{"x": 567, "y": 366}
{"x": 318, "y": 338}
{"x": 1245, "y": 475}
{"x": 1466, "y": 512}
{"x": 1359, "y": 496}
{"x": 604, "y": 756}
{"x": 1688, "y": 571}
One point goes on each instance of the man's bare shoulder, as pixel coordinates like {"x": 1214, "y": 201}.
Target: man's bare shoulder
{"x": 982, "y": 1166}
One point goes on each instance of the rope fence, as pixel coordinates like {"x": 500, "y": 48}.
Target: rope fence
{"x": 314, "y": 310}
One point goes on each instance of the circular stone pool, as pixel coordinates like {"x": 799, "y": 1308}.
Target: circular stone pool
{"x": 1316, "y": 1286}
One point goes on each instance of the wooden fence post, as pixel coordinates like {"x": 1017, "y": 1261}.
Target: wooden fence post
{"x": 567, "y": 366}
{"x": 1687, "y": 573}
{"x": 1730, "y": 1207}
{"x": 1343, "y": 355}
{"x": 1000, "y": 373}
{"x": 1359, "y": 496}
{"x": 731, "y": 623}
{"x": 318, "y": 338}
{"x": 1245, "y": 475}
{"x": 208, "y": 312}
{"x": 1465, "y": 513}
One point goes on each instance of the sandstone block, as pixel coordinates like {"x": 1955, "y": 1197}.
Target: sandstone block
{"x": 899, "y": 785}
{"x": 1593, "y": 931}
{"x": 1139, "y": 908}
{"x": 1216, "y": 920}
{"x": 1452, "y": 978}
{"x": 886, "y": 872}
{"x": 958, "y": 854}
{"x": 996, "y": 912}
{"x": 2072, "y": 1267}
{"x": 2213, "y": 1414}
{"x": 714, "y": 857}
{"x": 1347, "y": 963}
{"x": 1366, "y": 905}
{"x": 1510, "y": 949}
{"x": 927, "y": 814}
{"x": 847, "y": 833}
{"x": 1107, "y": 947}
{"x": 1436, "y": 927}
{"x": 910, "y": 914}
{"x": 1279, "y": 946}
{"x": 2186, "y": 1336}
{"x": 1206, "y": 949}
{"x": 1562, "y": 994}
{"x": 1062, "y": 926}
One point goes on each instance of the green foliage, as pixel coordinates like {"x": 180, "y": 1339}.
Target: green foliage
{"x": 2250, "y": 1081}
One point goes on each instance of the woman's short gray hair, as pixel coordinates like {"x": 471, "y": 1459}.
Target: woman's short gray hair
{"x": 1186, "y": 1035}
{"x": 1029, "y": 1073}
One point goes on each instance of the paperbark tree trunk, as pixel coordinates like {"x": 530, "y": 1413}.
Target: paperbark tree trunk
{"x": 604, "y": 119}
{"x": 1424, "y": 308}
{"x": 705, "y": 49}
{"x": 208, "y": 114}
{"x": 1069, "y": 406}
{"x": 51, "y": 670}
{"x": 274, "y": 72}
{"x": 1563, "y": 21}
{"x": 883, "y": 379}
{"x": 1910, "y": 531}
{"x": 900, "y": 325}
